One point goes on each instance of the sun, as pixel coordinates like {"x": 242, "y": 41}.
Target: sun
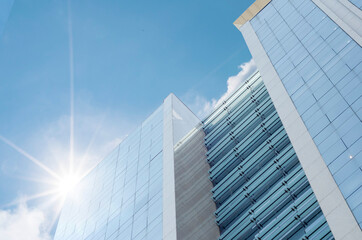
{"x": 67, "y": 183}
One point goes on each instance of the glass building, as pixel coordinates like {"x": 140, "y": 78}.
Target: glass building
{"x": 279, "y": 159}
{"x": 235, "y": 175}
{"x": 260, "y": 189}
{"x": 122, "y": 197}
{"x": 310, "y": 58}
{"x": 132, "y": 193}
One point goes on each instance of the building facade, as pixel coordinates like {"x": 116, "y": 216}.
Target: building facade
{"x": 131, "y": 193}
{"x": 260, "y": 189}
{"x": 279, "y": 159}
{"x": 310, "y": 58}
{"x": 235, "y": 175}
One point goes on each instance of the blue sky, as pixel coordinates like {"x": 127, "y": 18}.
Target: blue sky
{"x": 126, "y": 57}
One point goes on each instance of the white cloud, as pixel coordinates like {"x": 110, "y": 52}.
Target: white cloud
{"x": 234, "y": 82}
{"x": 200, "y": 106}
{"x": 23, "y": 223}
{"x": 203, "y": 107}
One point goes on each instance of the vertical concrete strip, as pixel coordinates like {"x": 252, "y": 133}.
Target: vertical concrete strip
{"x": 178, "y": 121}
{"x": 194, "y": 206}
{"x": 345, "y": 14}
{"x": 169, "y": 201}
{"x": 339, "y": 217}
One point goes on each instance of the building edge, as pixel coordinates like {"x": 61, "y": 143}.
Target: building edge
{"x": 253, "y": 10}
{"x": 339, "y": 216}
{"x": 344, "y": 14}
{"x": 178, "y": 120}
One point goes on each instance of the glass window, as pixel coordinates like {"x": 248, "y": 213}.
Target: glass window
{"x": 338, "y": 40}
{"x": 334, "y": 151}
{"x": 304, "y": 7}
{"x": 353, "y": 57}
{"x": 312, "y": 41}
{"x": 276, "y": 53}
{"x": 320, "y": 67}
{"x": 307, "y": 68}
{"x": 355, "y": 199}
{"x": 284, "y": 67}
{"x": 289, "y": 42}
{"x": 297, "y": 54}
{"x": 326, "y": 27}
{"x": 353, "y": 135}
{"x": 315, "y": 16}
{"x": 302, "y": 29}
{"x": 352, "y": 183}
{"x": 324, "y": 56}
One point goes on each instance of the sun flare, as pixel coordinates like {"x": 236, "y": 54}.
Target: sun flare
{"x": 67, "y": 184}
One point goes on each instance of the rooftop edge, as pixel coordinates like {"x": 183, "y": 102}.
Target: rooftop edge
{"x": 254, "y": 9}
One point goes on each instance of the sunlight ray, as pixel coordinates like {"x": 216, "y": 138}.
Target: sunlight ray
{"x": 86, "y": 172}
{"x": 28, "y": 156}
{"x": 71, "y": 72}
{"x": 47, "y": 181}
{"x": 32, "y": 197}
{"x": 85, "y": 155}
{"x": 57, "y": 210}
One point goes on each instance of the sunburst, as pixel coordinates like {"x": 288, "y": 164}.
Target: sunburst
{"x": 63, "y": 181}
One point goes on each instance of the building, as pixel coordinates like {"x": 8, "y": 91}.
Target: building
{"x": 309, "y": 56}
{"x": 279, "y": 159}
{"x": 260, "y": 189}
{"x": 141, "y": 190}
{"x": 156, "y": 183}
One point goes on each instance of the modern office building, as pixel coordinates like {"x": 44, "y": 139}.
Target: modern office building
{"x": 279, "y": 159}
{"x": 310, "y": 58}
{"x": 156, "y": 183}
{"x": 260, "y": 188}
{"x": 141, "y": 190}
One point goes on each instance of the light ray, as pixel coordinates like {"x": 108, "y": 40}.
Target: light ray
{"x": 86, "y": 172}
{"x": 58, "y": 209}
{"x": 94, "y": 135}
{"x": 46, "y": 181}
{"x": 71, "y": 72}
{"x": 28, "y": 156}
{"x": 32, "y": 197}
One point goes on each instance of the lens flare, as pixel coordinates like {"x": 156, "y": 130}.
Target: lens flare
{"x": 67, "y": 184}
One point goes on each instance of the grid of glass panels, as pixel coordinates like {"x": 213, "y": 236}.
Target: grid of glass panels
{"x": 321, "y": 69}
{"x": 357, "y": 3}
{"x": 122, "y": 197}
{"x": 260, "y": 189}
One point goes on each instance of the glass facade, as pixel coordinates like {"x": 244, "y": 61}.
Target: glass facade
{"x": 122, "y": 197}
{"x": 260, "y": 189}
{"x": 321, "y": 69}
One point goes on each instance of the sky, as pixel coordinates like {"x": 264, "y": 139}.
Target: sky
{"x": 77, "y": 76}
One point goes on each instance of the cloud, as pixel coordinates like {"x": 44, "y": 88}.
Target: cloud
{"x": 202, "y": 107}
{"x": 23, "y": 223}
{"x": 198, "y": 104}
{"x": 234, "y": 82}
